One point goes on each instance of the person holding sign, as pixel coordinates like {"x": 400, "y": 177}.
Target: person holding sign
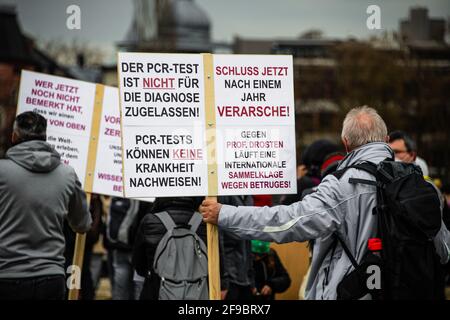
{"x": 338, "y": 210}
{"x": 238, "y": 275}
{"x": 37, "y": 192}
{"x": 166, "y": 215}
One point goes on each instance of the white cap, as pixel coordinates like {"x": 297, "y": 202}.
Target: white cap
{"x": 423, "y": 165}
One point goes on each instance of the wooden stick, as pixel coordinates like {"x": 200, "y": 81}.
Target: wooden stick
{"x": 213, "y": 260}
{"x": 78, "y": 255}
{"x": 80, "y": 239}
{"x": 212, "y": 230}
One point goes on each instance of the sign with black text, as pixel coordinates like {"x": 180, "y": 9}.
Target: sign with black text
{"x": 165, "y": 124}
{"x": 68, "y": 106}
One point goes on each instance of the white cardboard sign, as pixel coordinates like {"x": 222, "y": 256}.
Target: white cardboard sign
{"x": 255, "y": 117}
{"x": 68, "y": 105}
{"x": 162, "y": 98}
{"x": 163, "y": 124}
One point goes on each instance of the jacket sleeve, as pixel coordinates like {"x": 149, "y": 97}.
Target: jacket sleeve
{"x": 78, "y": 216}
{"x": 280, "y": 281}
{"x": 317, "y": 215}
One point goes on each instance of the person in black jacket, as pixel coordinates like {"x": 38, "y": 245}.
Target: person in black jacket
{"x": 270, "y": 275}
{"x": 237, "y": 274}
{"x": 150, "y": 232}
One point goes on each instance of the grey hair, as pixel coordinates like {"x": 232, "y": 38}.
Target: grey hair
{"x": 363, "y": 125}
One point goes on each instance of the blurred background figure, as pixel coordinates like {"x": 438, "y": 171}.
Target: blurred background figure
{"x": 262, "y": 200}
{"x": 270, "y": 275}
{"x": 309, "y": 170}
{"x": 405, "y": 149}
{"x": 403, "y": 145}
{"x": 238, "y": 276}
{"x": 120, "y": 233}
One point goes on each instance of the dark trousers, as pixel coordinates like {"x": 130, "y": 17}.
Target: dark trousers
{"x": 237, "y": 292}
{"x": 38, "y": 288}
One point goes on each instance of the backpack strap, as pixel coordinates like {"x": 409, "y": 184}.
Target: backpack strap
{"x": 362, "y": 181}
{"x": 331, "y": 248}
{"x": 368, "y": 167}
{"x": 339, "y": 173}
{"x": 347, "y": 251}
{"x": 365, "y": 166}
{"x": 166, "y": 220}
{"x": 195, "y": 221}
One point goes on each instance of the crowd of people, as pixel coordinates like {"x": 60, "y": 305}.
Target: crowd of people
{"x": 42, "y": 206}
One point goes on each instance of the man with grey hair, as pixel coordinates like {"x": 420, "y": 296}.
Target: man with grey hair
{"x": 361, "y": 126}
{"x": 37, "y": 192}
{"x": 337, "y": 207}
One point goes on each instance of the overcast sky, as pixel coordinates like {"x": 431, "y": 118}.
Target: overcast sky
{"x": 104, "y": 22}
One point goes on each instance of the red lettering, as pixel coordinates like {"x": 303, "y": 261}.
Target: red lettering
{"x": 253, "y": 111}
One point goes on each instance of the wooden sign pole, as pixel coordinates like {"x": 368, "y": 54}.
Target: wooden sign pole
{"x": 212, "y": 230}
{"x": 213, "y": 260}
{"x": 78, "y": 255}
{"x": 89, "y": 179}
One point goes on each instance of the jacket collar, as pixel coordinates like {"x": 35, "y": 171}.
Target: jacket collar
{"x": 374, "y": 152}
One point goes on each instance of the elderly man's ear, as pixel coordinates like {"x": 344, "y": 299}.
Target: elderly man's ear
{"x": 14, "y": 137}
{"x": 344, "y": 142}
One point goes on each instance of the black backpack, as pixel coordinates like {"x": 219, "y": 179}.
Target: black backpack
{"x": 408, "y": 218}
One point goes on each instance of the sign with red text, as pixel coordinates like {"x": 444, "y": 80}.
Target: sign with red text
{"x": 255, "y": 118}
{"x": 163, "y": 124}
{"x": 68, "y": 105}
{"x": 163, "y": 110}
{"x": 108, "y": 167}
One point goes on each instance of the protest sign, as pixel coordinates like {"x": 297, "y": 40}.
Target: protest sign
{"x": 68, "y": 106}
{"x": 163, "y": 124}
{"x": 108, "y": 168}
{"x": 207, "y": 125}
{"x": 178, "y": 143}
{"x": 254, "y": 100}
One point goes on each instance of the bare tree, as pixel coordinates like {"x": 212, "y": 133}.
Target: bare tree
{"x": 68, "y": 53}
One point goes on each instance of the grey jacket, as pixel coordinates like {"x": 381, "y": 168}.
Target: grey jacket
{"x": 37, "y": 192}
{"x": 336, "y": 206}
